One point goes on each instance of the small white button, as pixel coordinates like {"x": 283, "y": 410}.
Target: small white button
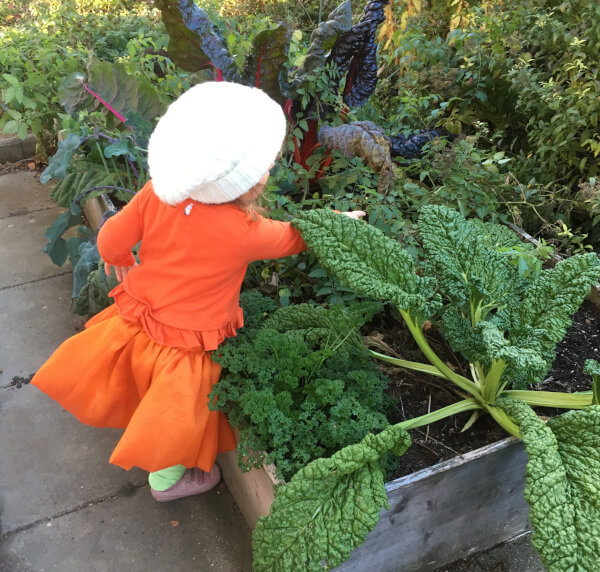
{"x": 188, "y": 209}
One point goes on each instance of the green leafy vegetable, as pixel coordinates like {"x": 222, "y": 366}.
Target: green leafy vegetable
{"x": 327, "y": 508}
{"x": 563, "y": 480}
{"x": 300, "y": 386}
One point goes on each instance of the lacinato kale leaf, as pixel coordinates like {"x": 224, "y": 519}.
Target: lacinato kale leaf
{"x": 367, "y": 261}
{"x": 563, "y": 484}
{"x": 327, "y": 508}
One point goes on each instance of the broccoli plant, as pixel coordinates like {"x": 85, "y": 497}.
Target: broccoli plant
{"x": 506, "y": 325}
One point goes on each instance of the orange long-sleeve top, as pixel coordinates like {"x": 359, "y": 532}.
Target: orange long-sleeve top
{"x": 193, "y": 258}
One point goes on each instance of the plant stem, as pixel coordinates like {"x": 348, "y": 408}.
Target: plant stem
{"x": 551, "y": 398}
{"x": 462, "y": 382}
{"x": 428, "y": 418}
{"x": 413, "y": 365}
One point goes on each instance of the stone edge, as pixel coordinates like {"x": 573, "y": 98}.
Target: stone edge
{"x": 14, "y": 149}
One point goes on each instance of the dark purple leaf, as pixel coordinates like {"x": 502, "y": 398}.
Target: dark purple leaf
{"x": 265, "y": 64}
{"x": 194, "y": 41}
{"x": 355, "y": 52}
{"x": 411, "y": 146}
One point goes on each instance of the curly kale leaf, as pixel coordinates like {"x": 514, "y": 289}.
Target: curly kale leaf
{"x": 563, "y": 480}
{"x": 355, "y": 52}
{"x": 367, "y": 261}
{"x": 328, "y": 507}
{"x": 467, "y": 268}
{"x": 301, "y": 392}
{"x": 366, "y": 140}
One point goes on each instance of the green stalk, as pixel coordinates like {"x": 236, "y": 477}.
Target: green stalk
{"x": 428, "y": 418}
{"x": 491, "y": 382}
{"x": 413, "y": 365}
{"x": 551, "y": 398}
{"x": 462, "y": 382}
{"x": 503, "y": 420}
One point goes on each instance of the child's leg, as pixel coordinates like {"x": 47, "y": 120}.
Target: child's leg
{"x": 166, "y": 478}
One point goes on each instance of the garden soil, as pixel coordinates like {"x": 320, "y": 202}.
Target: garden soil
{"x": 418, "y": 394}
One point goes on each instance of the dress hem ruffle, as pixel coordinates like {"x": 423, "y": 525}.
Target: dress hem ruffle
{"x": 133, "y": 309}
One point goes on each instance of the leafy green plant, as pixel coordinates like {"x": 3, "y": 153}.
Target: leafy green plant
{"x": 282, "y": 384}
{"x": 507, "y": 326}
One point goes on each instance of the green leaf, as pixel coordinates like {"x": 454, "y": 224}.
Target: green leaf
{"x": 540, "y": 319}
{"x": 10, "y": 79}
{"x": 57, "y": 166}
{"x": 57, "y": 246}
{"x": 111, "y": 82}
{"x": 327, "y": 508}
{"x": 366, "y": 260}
{"x": 121, "y": 147}
{"x": 11, "y": 127}
{"x": 467, "y": 269}
{"x": 563, "y": 484}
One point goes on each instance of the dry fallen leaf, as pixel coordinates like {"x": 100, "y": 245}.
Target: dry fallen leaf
{"x": 31, "y": 166}
{"x": 174, "y": 523}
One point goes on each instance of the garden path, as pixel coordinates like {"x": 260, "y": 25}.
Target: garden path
{"x": 62, "y": 505}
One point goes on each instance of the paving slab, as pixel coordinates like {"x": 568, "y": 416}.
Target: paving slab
{"x": 135, "y": 533}
{"x": 50, "y": 461}
{"x": 22, "y": 239}
{"x": 34, "y": 319}
{"x": 22, "y": 192}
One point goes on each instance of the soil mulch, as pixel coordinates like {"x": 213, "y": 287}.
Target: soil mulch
{"x": 418, "y": 394}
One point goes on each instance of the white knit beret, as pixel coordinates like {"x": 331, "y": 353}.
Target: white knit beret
{"x": 214, "y": 143}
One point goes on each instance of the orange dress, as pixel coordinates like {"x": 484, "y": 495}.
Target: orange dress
{"x": 144, "y": 364}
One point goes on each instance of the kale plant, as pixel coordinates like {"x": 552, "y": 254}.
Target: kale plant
{"x": 301, "y": 386}
{"x": 506, "y": 324}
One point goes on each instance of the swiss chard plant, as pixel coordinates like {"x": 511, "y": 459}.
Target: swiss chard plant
{"x": 506, "y": 324}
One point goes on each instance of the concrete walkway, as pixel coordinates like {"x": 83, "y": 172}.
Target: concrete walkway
{"x": 63, "y": 507}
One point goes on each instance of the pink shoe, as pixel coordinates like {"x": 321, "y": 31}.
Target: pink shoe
{"x": 193, "y": 482}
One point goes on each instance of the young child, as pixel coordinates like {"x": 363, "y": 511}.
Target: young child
{"x": 144, "y": 364}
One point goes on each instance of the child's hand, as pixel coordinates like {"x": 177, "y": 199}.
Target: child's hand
{"x": 120, "y": 271}
{"x": 355, "y": 214}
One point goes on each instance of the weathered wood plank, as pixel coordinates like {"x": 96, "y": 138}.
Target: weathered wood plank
{"x": 445, "y": 512}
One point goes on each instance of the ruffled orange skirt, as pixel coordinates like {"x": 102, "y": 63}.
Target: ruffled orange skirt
{"x": 113, "y": 375}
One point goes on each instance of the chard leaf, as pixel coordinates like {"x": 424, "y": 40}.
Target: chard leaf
{"x": 327, "y": 508}
{"x": 264, "y": 66}
{"x": 563, "y": 485}
{"x": 467, "y": 269}
{"x": 194, "y": 41}
{"x": 355, "y": 52}
{"x": 324, "y": 37}
{"x": 366, "y": 140}
{"x": 125, "y": 93}
{"x": 367, "y": 261}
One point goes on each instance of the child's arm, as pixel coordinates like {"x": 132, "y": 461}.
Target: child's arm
{"x": 276, "y": 239}
{"x": 118, "y": 235}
